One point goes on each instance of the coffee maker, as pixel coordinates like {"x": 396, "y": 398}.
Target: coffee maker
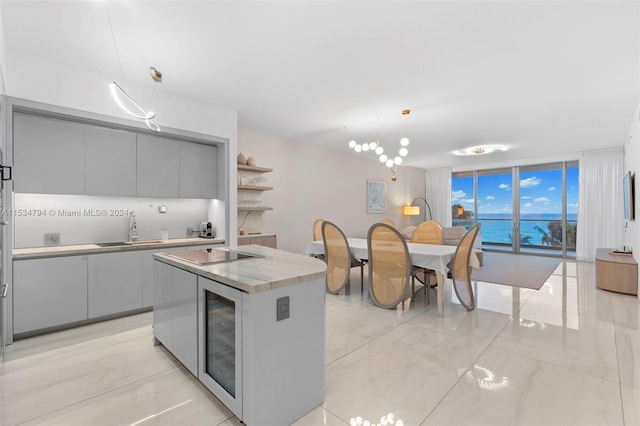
{"x": 206, "y": 230}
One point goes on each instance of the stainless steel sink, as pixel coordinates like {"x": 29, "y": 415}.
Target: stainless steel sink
{"x": 126, "y": 243}
{"x": 115, "y": 244}
{"x": 144, "y": 242}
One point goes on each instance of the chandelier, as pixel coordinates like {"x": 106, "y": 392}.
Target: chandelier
{"x": 376, "y": 147}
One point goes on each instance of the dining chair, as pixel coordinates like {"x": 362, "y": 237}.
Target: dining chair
{"x": 317, "y": 235}
{"x": 339, "y": 259}
{"x": 389, "y": 265}
{"x": 317, "y": 229}
{"x": 389, "y": 222}
{"x": 429, "y": 232}
{"x": 460, "y": 269}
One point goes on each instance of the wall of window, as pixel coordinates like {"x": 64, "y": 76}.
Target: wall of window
{"x": 524, "y": 209}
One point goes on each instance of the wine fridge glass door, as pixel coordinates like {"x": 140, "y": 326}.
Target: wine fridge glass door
{"x": 220, "y": 342}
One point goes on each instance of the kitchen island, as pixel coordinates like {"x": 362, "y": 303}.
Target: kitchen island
{"x": 249, "y": 323}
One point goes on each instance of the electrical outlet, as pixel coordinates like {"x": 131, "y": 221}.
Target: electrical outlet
{"x": 52, "y": 239}
{"x": 282, "y": 305}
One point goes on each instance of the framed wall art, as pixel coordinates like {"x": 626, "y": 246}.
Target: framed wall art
{"x": 376, "y": 196}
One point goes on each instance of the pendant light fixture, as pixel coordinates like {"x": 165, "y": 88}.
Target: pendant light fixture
{"x": 124, "y": 101}
{"x": 375, "y": 146}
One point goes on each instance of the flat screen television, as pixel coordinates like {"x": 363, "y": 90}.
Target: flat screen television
{"x": 629, "y": 203}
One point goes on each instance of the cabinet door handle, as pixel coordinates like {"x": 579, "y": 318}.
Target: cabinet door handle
{"x": 5, "y": 287}
{"x": 6, "y": 173}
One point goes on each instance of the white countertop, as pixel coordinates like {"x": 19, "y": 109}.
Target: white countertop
{"x": 278, "y": 268}
{"x": 84, "y": 249}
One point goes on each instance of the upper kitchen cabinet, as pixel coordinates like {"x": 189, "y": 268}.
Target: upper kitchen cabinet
{"x": 48, "y": 155}
{"x": 110, "y": 162}
{"x": 198, "y": 171}
{"x": 158, "y": 165}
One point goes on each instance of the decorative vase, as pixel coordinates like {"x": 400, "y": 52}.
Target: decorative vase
{"x": 241, "y": 159}
{"x": 251, "y": 161}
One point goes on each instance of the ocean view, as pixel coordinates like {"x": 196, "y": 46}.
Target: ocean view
{"x": 496, "y": 227}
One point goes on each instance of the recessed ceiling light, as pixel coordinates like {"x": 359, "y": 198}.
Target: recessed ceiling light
{"x": 481, "y": 150}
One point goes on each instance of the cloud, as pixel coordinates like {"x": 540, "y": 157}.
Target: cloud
{"x": 552, "y": 188}
{"x": 467, "y": 200}
{"x": 504, "y": 186}
{"x": 530, "y": 182}
{"x": 490, "y": 197}
{"x": 526, "y": 197}
{"x": 457, "y": 195}
{"x": 542, "y": 200}
{"x": 528, "y": 205}
{"x": 573, "y": 205}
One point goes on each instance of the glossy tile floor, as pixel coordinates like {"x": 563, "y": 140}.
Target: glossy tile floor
{"x": 568, "y": 354}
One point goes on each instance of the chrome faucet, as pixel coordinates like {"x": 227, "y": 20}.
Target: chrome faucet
{"x": 133, "y": 229}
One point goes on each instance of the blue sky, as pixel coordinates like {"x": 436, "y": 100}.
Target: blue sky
{"x": 540, "y": 192}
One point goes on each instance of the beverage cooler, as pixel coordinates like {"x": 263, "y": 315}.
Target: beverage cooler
{"x": 220, "y": 342}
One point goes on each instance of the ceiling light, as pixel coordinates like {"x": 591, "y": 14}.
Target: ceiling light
{"x": 128, "y": 105}
{"x": 376, "y": 147}
{"x": 121, "y": 97}
{"x": 155, "y": 75}
{"x": 481, "y": 150}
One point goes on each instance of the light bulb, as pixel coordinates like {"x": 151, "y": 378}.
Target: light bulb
{"x": 365, "y": 147}
{"x": 389, "y": 163}
{"x": 358, "y": 147}
{"x": 404, "y": 141}
{"x": 352, "y": 144}
{"x": 373, "y": 146}
{"x": 403, "y": 152}
{"x": 383, "y": 158}
{"x": 379, "y": 150}
{"x": 398, "y": 160}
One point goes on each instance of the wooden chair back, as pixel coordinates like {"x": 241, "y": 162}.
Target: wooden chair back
{"x": 389, "y": 265}
{"x": 389, "y": 222}
{"x": 460, "y": 268}
{"x": 317, "y": 229}
{"x": 429, "y": 232}
{"x": 338, "y": 257}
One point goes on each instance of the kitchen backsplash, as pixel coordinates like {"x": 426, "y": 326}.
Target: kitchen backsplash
{"x": 82, "y": 219}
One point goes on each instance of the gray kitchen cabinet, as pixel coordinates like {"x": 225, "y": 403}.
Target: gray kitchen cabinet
{"x": 49, "y": 292}
{"x": 147, "y": 274}
{"x": 114, "y": 283}
{"x": 110, "y": 162}
{"x": 176, "y": 313}
{"x": 48, "y": 155}
{"x": 158, "y": 167}
{"x": 198, "y": 171}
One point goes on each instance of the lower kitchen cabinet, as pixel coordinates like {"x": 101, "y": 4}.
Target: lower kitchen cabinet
{"x": 49, "y": 292}
{"x": 175, "y": 313}
{"x": 147, "y": 276}
{"x": 115, "y": 283}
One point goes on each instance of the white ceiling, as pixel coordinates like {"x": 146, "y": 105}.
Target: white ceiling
{"x": 545, "y": 78}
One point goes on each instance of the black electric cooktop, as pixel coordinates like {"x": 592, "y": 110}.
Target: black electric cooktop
{"x": 211, "y": 256}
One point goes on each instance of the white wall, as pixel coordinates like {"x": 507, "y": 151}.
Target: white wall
{"x": 69, "y": 87}
{"x": 312, "y": 182}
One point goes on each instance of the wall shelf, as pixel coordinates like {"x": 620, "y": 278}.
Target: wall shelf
{"x": 255, "y": 187}
{"x": 254, "y": 168}
{"x": 253, "y": 209}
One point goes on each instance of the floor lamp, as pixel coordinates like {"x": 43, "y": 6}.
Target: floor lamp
{"x": 415, "y": 210}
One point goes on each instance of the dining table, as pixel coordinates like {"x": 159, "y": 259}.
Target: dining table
{"x": 430, "y": 256}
